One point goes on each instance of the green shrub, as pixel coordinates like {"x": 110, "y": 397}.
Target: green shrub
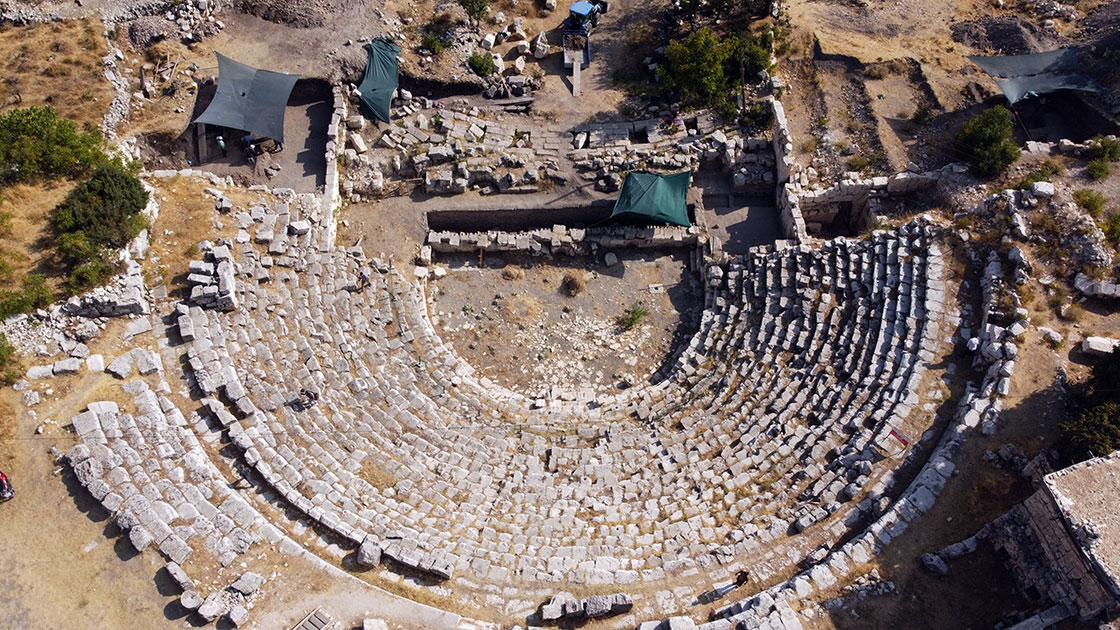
{"x": 476, "y": 9}
{"x": 1090, "y": 200}
{"x": 1094, "y": 433}
{"x": 1043, "y": 173}
{"x": 431, "y": 41}
{"x": 10, "y": 370}
{"x": 694, "y": 67}
{"x": 986, "y": 141}
{"x": 922, "y": 115}
{"x": 36, "y": 143}
{"x": 32, "y": 294}
{"x": 729, "y": 111}
{"x": 857, "y": 163}
{"x": 757, "y": 116}
{"x": 102, "y": 212}
{"x": 92, "y": 273}
{"x": 633, "y": 316}
{"x": 481, "y": 64}
{"x": 1098, "y": 169}
{"x": 1112, "y": 229}
{"x": 5, "y": 223}
{"x": 1104, "y": 148}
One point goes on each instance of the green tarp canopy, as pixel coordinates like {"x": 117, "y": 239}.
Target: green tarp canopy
{"x": 249, "y": 99}
{"x": 380, "y": 79}
{"x": 659, "y": 198}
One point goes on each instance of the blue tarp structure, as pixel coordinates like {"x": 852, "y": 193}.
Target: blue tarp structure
{"x": 249, "y": 99}
{"x": 657, "y": 198}
{"x": 380, "y": 79}
{"x": 582, "y": 8}
{"x": 1023, "y": 76}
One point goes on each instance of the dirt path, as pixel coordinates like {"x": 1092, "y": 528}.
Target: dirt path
{"x": 61, "y": 564}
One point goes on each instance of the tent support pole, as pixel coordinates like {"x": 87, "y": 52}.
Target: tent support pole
{"x": 1015, "y": 111}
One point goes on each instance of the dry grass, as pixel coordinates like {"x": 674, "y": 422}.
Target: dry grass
{"x": 375, "y": 476}
{"x": 157, "y": 114}
{"x": 57, "y": 64}
{"x": 574, "y": 283}
{"x": 513, "y": 272}
{"x": 29, "y": 247}
{"x": 186, "y": 216}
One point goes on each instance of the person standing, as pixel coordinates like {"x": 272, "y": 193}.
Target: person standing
{"x": 222, "y": 146}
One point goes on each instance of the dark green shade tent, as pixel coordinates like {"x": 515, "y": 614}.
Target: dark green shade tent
{"x": 249, "y": 99}
{"x": 659, "y": 198}
{"x": 1023, "y": 76}
{"x": 376, "y": 90}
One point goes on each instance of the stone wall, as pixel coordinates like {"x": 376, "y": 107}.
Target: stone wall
{"x": 1043, "y": 557}
{"x": 1096, "y": 288}
{"x": 336, "y": 142}
{"x": 514, "y": 219}
{"x": 560, "y": 239}
{"x": 789, "y": 210}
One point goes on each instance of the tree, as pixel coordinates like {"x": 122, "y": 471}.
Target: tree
{"x": 695, "y": 67}
{"x": 476, "y": 9}
{"x": 101, "y": 214}
{"x": 481, "y": 64}
{"x": 36, "y": 143}
{"x": 103, "y": 211}
{"x": 986, "y": 141}
{"x": 1094, "y": 433}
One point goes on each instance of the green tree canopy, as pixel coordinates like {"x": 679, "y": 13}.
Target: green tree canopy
{"x": 1094, "y": 433}
{"x": 695, "y": 66}
{"x": 36, "y": 143}
{"x": 986, "y": 141}
{"x": 476, "y": 9}
{"x": 103, "y": 211}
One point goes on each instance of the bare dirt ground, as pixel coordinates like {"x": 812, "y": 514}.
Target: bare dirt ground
{"x": 513, "y": 320}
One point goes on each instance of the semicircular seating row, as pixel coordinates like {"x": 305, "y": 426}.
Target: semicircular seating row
{"x": 766, "y": 425}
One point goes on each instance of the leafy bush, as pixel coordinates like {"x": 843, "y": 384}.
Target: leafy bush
{"x": 1104, "y": 148}
{"x": 476, "y": 9}
{"x": 36, "y": 143}
{"x": 101, "y": 214}
{"x": 33, "y": 293}
{"x": 1044, "y": 172}
{"x": 694, "y": 67}
{"x": 758, "y": 117}
{"x": 431, "y": 41}
{"x": 434, "y": 32}
{"x": 857, "y": 163}
{"x": 1098, "y": 169}
{"x": 876, "y": 71}
{"x": 1090, "y": 200}
{"x": 986, "y": 141}
{"x": 481, "y": 64}
{"x": 633, "y": 316}
{"x": 922, "y": 115}
{"x": 1112, "y": 230}
{"x": 10, "y": 371}
{"x": 104, "y": 210}
{"x": 1095, "y": 432}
